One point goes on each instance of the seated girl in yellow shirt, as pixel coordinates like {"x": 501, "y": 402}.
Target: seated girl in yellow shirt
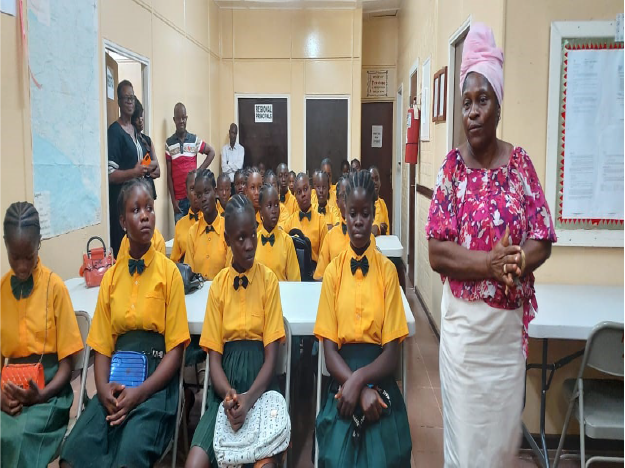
{"x": 253, "y": 183}
{"x": 140, "y": 308}
{"x": 275, "y": 247}
{"x": 183, "y": 225}
{"x": 239, "y": 181}
{"x": 381, "y": 223}
{"x": 307, "y": 220}
{"x": 284, "y": 189}
{"x": 329, "y": 211}
{"x": 224, "y": 192}
{"x": 206, "y": 246}
{"x": 242, "y": 328}
{"x": 363, "y": 420}
{"x": 292, "y": 177}
{"x": 37, "y": 324}
{"x": 271, "y": 179}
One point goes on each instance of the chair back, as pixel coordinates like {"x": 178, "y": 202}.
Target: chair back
{"x": 81, "y": 359}
{"x": 604, "y": 349}
{"x": 283, "y": 366}
{"x": 303, "y": 250}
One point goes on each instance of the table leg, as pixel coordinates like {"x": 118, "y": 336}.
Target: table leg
{"x": 543, "y": 402}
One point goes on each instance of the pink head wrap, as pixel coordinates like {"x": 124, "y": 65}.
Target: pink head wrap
{"x": 481, "y": 55}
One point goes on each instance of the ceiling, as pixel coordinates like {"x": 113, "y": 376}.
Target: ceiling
{"x": 370, "y": 7}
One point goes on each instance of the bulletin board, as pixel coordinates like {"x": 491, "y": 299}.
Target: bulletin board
{"x": 585, "y": 137}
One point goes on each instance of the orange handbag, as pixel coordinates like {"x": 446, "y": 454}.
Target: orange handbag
{"x": 95, "y": 263}
{"x": 22, "y": 374}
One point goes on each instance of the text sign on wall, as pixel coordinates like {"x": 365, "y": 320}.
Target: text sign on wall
{"x": 377, "y": 83}
{"x": 263, "y": 113}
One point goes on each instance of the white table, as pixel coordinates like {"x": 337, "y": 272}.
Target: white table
{"x": 390, "y": 246}
{"x": 568, "y": 312}
{"x": 169, "y": 245}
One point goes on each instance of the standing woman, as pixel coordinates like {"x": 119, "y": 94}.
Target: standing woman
{"x": 148, "y": 147}
{"x": 125, "y": 153}
{"x": 489, "y": 228}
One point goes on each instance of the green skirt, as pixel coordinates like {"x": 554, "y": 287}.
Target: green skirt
{"x": 386, "y": 443}
{"x": 33, "y": 437}
{"x": 242, "y": 361}
{"x": 143, "y": 437}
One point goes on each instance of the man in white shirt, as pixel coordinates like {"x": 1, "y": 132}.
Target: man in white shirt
{"x": 232, "y": 154}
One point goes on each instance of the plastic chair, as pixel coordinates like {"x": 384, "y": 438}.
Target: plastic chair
{"x": 598, "y": 403}
{"x": 81, "y": 363}
{"x": 173, "y": 444}
{"x": 303, "y": 250}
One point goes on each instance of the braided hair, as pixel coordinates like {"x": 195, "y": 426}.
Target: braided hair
{"x": 238, "y": 204}
{"x": 240, "y": 173}
{"x": 249, "y": 171}
{"x": 362, "y": 179}
{"x": 264, "y": 191}
{"x": 206, "y": 174}
{"x": 124, "y": 193}
{"x": 22, "y": 217}
{"x": 338, "y": 184}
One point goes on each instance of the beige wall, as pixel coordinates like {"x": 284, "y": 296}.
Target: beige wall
{"x": 425, "y": 27}
{"x": 295, "y": 53}
{"x": 379, "y": 53}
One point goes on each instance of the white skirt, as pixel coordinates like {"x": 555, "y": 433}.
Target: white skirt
{"x": 482, "y": 373}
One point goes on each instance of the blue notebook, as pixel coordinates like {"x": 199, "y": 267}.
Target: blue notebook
{"x": 129, "y": 368}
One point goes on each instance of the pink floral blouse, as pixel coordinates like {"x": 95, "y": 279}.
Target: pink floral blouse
{"x": 473, "y": 207}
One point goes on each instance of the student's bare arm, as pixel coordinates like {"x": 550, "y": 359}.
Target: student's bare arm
{"x": 337, "y": 367}
{"x": 382, "y": 367}
{"x": 218, "y": 376}
{"x": 263, "y": 379}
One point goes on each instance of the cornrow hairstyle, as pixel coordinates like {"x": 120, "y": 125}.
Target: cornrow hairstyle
{"x": 206, "y": 174}
{"x": 323, "y": 175}
{"x": 264, "y": 191}
{"x": 22, "y": 217}
{"x": 250, "y": 171}
{"x": 338, "y": 185}
{"x": 362, "y": 179}
{"x": 269, "y": 173}
{"x": 192, "y": 172}
{"x": 125, "y": 192}
{"x": 223, "y": 177}
{"x": 240, "y": 173}
{"x": 302, "y": 175}
{"x": 122, "y": 84}
{"x": 326, "y": 161}
{"x": 238, "y": 204}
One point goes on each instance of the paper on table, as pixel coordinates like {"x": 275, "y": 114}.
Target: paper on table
{"x": 593, "y": 154}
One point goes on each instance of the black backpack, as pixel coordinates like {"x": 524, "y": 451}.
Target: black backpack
{"x": 303, "y": 249}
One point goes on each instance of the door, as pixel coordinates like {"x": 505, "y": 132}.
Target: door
{"x": 459, "y": 136}
{"x": 376, "y": 120}
{"x": 397, "y": 177}
{"x": 326, "y": 133}
{"x": 265, "y": 137}
{"x": 112, "y": 109}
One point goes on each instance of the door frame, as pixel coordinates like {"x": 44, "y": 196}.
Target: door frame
{"x": 451, "y": 72}
{"x": 414, "y": 69}
{"x": 348, "y": 98}
{"x": 145, "y": 100}
{"x": 398, "y": 175}
{"x": 238, "y": 96}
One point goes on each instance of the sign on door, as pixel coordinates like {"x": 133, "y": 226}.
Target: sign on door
{"x": 263, "y": 113}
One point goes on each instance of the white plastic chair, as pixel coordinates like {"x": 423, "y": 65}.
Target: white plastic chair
{"x": 81, "y": 363}
{"x": 598, "y": 403}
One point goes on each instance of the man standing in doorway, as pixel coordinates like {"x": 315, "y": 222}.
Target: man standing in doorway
{"x": 181, "y": 151}
{"x": 232, "y": 154}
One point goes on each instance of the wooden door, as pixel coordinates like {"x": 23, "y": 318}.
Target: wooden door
{"x": 112, "y": 109}
{"x": 326, "y": 134}
{"x": 459, "y": 136}
{"x": 375, "y": 153}
{"x": 412, "y": 223}
{"x": 264, "y": 141}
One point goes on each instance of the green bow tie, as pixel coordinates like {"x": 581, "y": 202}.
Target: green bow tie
{"x": 22, "y": 289}
{"x": 195, "y": 216}
{"x": 210, "y": 229}
{"x": 363, "y": 264}
{"x": 271, "y": 239}
{"x": 321, "y": 210}
{"x": 136, "y": 265}
{"x": 240, "y": 281}
{"x": 303, "y": 215}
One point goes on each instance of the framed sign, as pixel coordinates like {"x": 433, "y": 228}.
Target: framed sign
{"x": 263, "y": 113}
{"x": 439, "y": 97}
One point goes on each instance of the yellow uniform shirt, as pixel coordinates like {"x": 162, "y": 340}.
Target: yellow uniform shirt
{"x": 180, "y": 236}
{"x": 284, "y": 215}
{"x": 332, "y": 215}
{"x": 335, "y": 242}
{"x": 279, "y": 257}
{"x": 331, "y": 197}
{"x": 315, "y": 229}
{"x": 381, "y": 215}
{"x": 23, "y": 322}
{"x": 252, "y": 313}
{"x": 151, "y": 301}
{"x": 220, "y": 209}
{"x": 361, "y": 309}
{"x": 206, "y": 252}
{"x": 157, "y": 241}
{"x": 290, "y": 203}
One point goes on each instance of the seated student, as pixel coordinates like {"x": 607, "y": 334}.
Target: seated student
{"x": 286, "y": 195}
{"x": 224, "y": 192}
{"x": 355, "y": 165}
{"x": 292, "y": 177}
{"x": 329, "y": 212}
{"x": 36, "y": 318}
{"x": 381, "y": 223}
{"x": 363, "y": 420}
{"x": 253, "y": 183}
{"x": 140, "y": 308}
{"x": 275, "y": 248}
{"x": 262, "y": 169}
{"x": 309, "y": 221}
{"x": 326, "y": 166}
{"x": 206, "y": 246}
{"x": 239, "y": 181}
{"x": 184, "y": 224}
{"x": 345, "y": 168}
{"x": 271, "y": 179}
{"x": 242, "y": 328}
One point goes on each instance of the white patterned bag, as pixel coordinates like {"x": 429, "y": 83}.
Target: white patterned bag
{"x": 265, "y": 432}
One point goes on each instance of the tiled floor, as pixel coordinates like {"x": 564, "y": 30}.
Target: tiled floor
{"x": 423, "y": 402}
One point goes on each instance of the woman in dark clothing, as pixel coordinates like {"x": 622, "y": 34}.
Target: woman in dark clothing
{"x": 125, "y": 156}
{"x": 146, "y": 142}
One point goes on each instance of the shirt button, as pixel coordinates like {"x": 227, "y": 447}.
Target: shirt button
{"x": 136, "y": 282}
{"x": 132, "y": 306}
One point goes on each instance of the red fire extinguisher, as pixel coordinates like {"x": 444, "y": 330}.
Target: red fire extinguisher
{"x": 413, "y": 124}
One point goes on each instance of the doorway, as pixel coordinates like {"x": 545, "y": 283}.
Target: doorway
{"x": 455, "y": 130}
{"x": 376, "y": 147}
{"x": 327, "y": 131}
{"x": 264, "y": 130}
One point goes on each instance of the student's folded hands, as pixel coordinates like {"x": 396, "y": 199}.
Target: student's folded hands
{"x": 128, "y": 399}
{"x": 25, "y": 397}
{"x": 236, "y": 407}
{"x": 372, "y": 404}
{"x": 348, "y": 396}
{"x": 9, "y": 404}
